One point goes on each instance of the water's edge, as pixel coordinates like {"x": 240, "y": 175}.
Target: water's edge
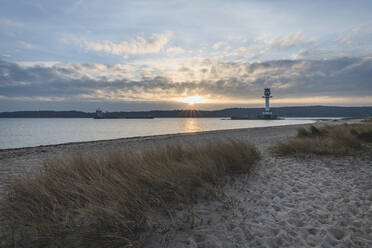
{"x": 144, "y": 137}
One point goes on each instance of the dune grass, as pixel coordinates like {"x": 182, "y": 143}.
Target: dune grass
{"x": 328, "y": 140}
{"x": 363, "y": 119}
{"x": 367, "y": 120}
{"x": 84, "y": 199}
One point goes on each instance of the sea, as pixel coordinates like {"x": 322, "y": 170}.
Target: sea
{"x": 29, "y": 132}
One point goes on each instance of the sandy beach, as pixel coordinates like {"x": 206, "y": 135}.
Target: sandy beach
{"x": 320, "y": 201}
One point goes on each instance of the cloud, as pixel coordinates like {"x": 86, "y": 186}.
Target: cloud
{"x": 217, "y": 45}
{"x": 286, "y": 41}
{"x": 10, "y": 22}
{"x": 26, "y": 45}
{"x": 139, "y": 45}
{"x": 263, "y": 48}
{"x": 227, "y": 82}
{"x": 347, "y": 37}
{"x": 175, "y": 50}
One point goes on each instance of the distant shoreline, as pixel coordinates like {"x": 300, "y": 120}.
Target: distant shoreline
{"x": 296, "y": 111}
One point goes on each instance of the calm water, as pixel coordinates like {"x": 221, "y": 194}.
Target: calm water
{"x": 24, "y": 132}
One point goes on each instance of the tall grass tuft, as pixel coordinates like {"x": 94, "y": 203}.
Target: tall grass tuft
{"x": 332, "y": 140}
{"x": 367, "y": 120}
{"x": 84, "y": 199}
{"x": 313, "y": 131}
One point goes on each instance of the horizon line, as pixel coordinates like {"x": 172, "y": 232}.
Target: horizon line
{"x": 299, "y": 106}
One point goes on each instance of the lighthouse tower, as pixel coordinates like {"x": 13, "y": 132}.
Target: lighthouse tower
{"x": 267, "y": 96}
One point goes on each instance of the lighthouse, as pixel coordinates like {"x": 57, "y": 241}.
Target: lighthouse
{"x": 266, "y": 115}
{"x": 267, "y": 96}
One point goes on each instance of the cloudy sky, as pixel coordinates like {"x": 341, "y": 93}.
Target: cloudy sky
{"x": 141, "y": 55}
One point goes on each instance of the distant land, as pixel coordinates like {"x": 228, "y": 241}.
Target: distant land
{"x": 302, "y": 111}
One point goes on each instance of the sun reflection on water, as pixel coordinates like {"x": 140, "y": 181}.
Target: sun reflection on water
{"x": 191, "y": 125}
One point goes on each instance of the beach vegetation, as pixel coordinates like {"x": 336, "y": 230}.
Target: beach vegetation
{"x": 104, "y": 200}
{"x": 347, "y": 139}
{"x": 367, "y": 120}
{"x": 351, "y": 118}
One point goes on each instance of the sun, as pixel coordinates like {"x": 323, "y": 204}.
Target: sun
{"x": 191, "y": 100}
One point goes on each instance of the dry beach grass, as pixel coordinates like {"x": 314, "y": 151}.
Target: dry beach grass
{"x": 328, "y": 140}
{"x": 86, "y": 199}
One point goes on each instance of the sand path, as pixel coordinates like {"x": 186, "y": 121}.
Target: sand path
{"x": 318, "y": 202}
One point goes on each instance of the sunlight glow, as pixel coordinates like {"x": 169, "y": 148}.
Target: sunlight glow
{"x": 191, "y": 125}
{"x": 192, "y": 99}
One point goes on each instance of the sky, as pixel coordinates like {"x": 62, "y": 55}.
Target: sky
{"x": 122, "y": 55}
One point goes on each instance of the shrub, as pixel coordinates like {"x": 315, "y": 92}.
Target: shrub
{"x": 86, "y": 199}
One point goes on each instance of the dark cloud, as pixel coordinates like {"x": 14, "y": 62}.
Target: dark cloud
{"x": 343, "y": 77}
